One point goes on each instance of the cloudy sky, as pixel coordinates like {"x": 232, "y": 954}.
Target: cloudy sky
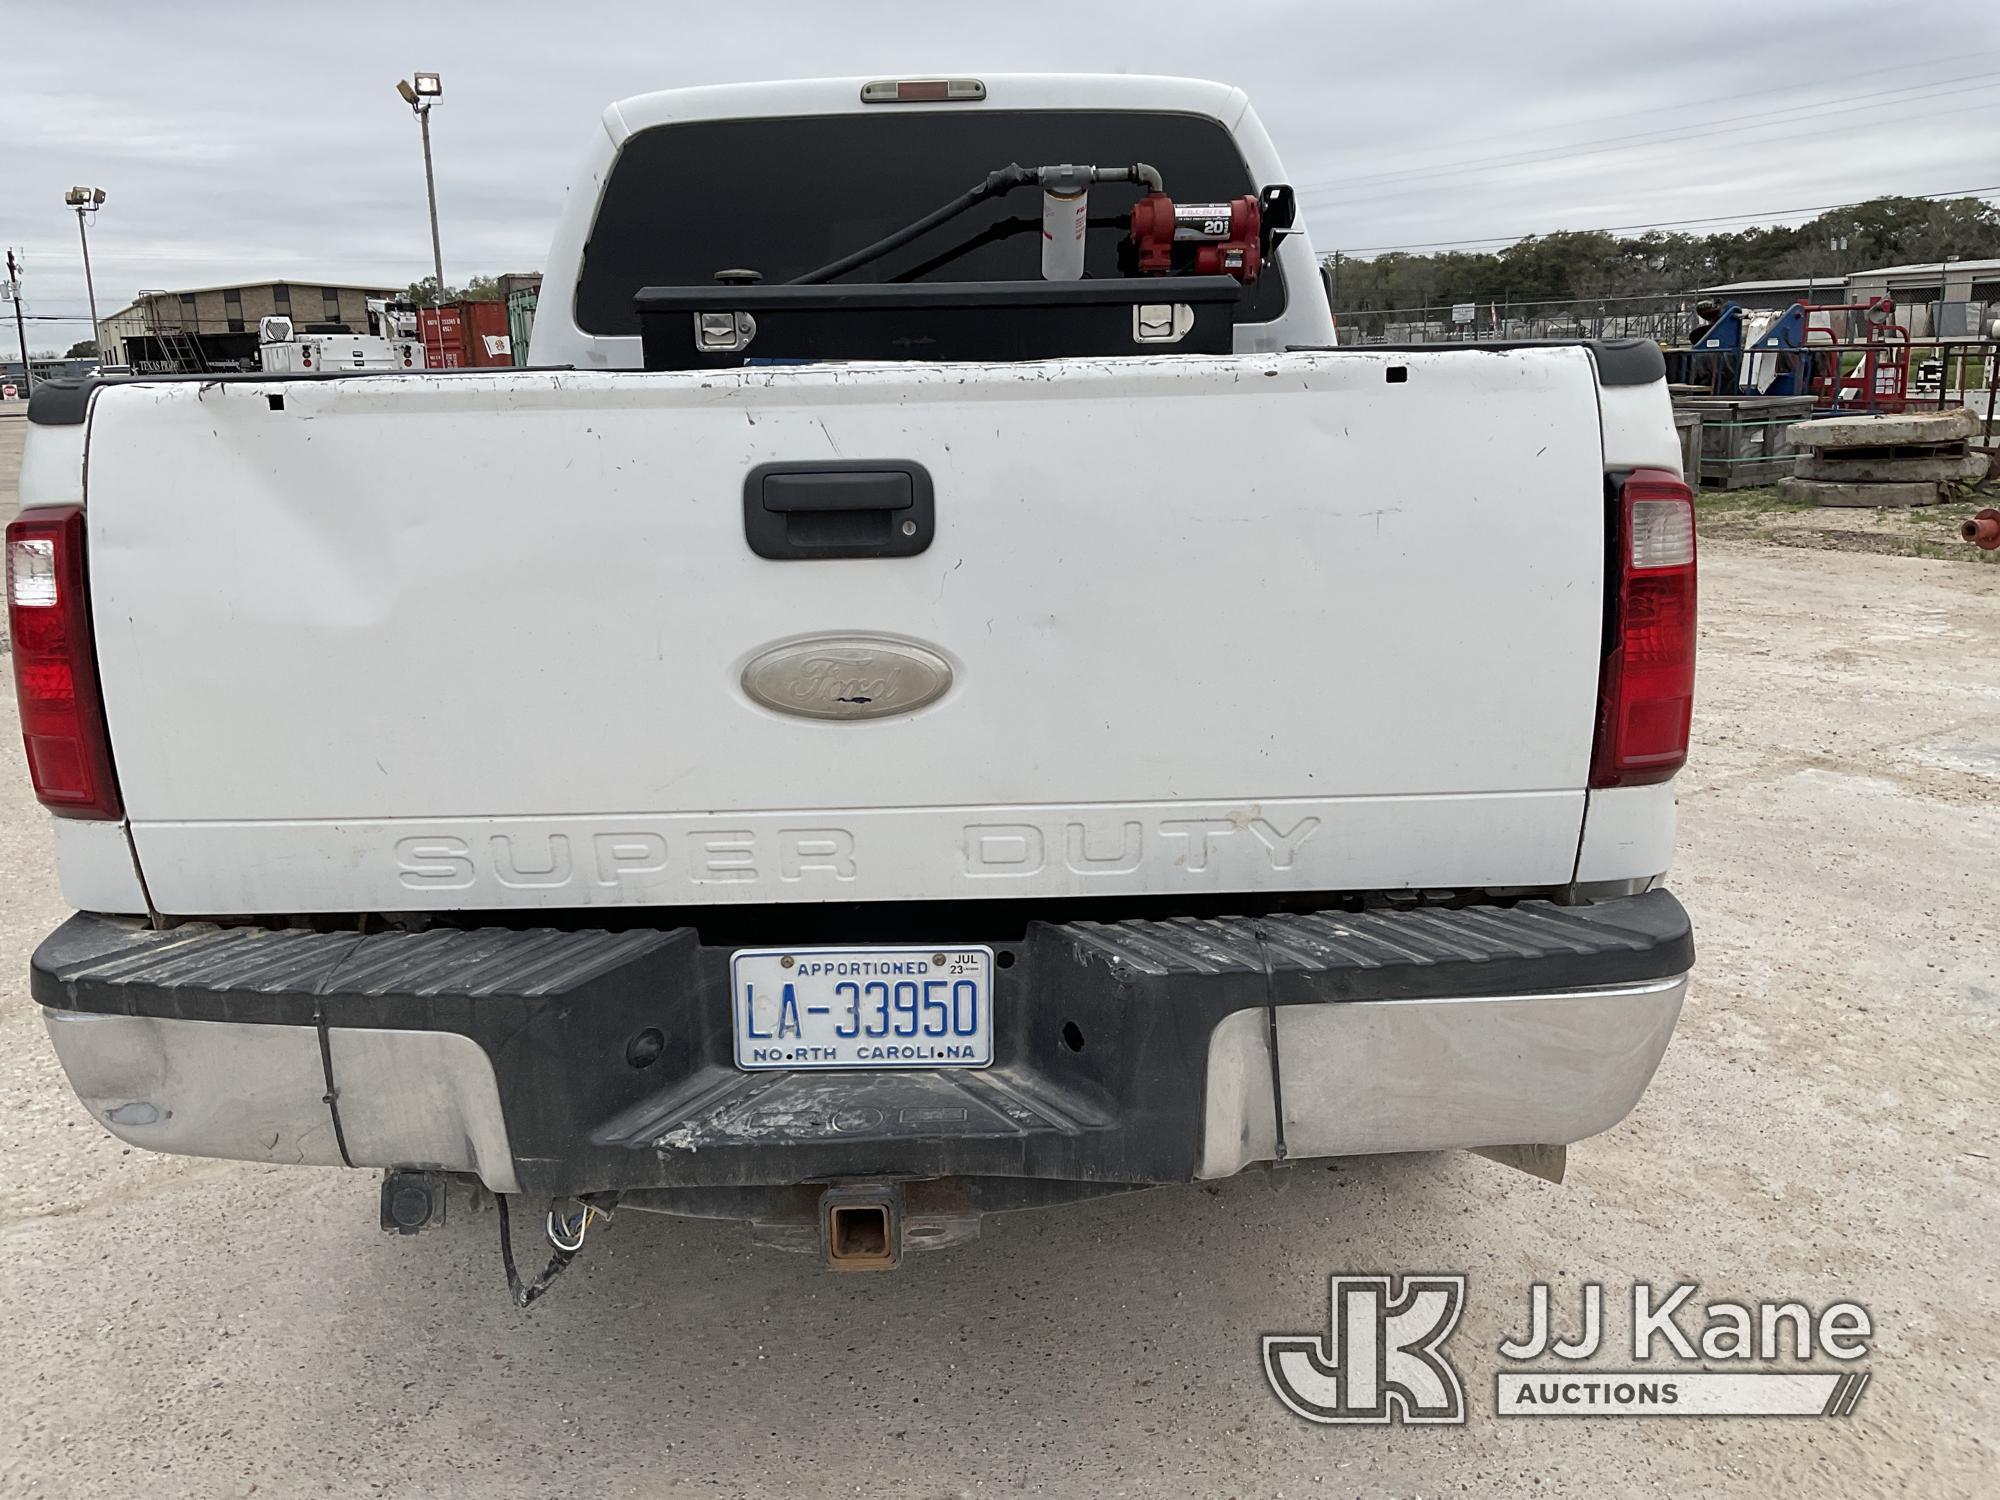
{"x": 244, "y": 142}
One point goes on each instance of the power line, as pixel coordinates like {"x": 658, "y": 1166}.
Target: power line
{"x": 1936, "y": 88}
{"x": 1771, "y": 213}
{"x": 1432, "y": 191}
{"x": 1683, "y": 106}
{"x": 1737, "y": 132}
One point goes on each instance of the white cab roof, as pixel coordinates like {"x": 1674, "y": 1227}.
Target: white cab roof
{"x": 828, "y": 96}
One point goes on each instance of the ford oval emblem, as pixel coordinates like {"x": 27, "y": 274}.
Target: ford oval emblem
{"x": 846, "y": 677}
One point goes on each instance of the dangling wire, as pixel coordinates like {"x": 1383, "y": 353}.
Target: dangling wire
{"x": 565, "y": 1236}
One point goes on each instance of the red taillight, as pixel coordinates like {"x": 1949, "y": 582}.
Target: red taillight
{"x": 1647, "y": 691}
{"x": 55, "y": 665}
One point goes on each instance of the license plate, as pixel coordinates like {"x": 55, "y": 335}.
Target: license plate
{"x": 863, "y": 1007}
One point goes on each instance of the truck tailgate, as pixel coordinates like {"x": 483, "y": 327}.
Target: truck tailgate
{"x": 1292, "y": 622}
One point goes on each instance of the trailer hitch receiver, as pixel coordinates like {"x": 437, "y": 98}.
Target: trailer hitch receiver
{"x": 861, "y": 1226}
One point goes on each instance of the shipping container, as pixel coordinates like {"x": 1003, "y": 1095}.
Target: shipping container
{"x": 443, "y": 332}
{"x": 486, "y": 337}
{"x": 462, "y": 334}
{"x": 521, "y": 319}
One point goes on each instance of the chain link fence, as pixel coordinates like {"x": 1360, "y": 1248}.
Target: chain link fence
{"x": 1667, "y": 317}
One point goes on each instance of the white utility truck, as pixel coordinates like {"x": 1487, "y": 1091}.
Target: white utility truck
{"x": 947, "y": 693}
{"x": 283, "y": 350}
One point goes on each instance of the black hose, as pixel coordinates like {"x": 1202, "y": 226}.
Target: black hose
{"x": 1002, "y": 180}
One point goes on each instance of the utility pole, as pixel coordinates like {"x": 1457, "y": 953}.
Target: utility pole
{"x": 20, "y": 322}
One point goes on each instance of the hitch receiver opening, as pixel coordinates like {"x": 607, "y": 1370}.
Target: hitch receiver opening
{"x": 861, "y": 1227}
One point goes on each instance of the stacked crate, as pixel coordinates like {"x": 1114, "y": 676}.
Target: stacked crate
{"x": 1741, "y": 441}
{"x": 1909, "y": 458}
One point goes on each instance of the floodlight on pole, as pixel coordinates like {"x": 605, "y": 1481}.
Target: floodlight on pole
{"x": 421, "y": 95}
{"x": 87, "y": 200}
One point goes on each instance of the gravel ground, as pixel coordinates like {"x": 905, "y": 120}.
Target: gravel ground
{"x": 1821, "y": 1129}
{"x": 13, "y": 426}
{"x": 1764, "y": 515}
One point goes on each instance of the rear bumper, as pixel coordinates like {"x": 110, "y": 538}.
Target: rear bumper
{"x": 505, "y": 1053}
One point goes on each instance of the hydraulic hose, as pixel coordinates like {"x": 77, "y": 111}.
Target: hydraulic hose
{"x": 1002, "y": 180}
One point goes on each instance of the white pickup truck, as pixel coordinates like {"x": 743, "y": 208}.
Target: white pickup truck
{"x": 908, "y": 717}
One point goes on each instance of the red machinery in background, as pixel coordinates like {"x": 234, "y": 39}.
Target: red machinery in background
{"x": 1880, "y": 380}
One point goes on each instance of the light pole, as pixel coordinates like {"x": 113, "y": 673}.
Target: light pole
{"x": 87, "y": 201}
{"x": 427, "y": 90}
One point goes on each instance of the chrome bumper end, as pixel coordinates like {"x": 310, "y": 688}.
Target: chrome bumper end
{"x": 1374, "y": 1076}
{"x": 257, "y": 1092}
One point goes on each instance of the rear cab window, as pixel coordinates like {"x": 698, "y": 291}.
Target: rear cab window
{"x": 783, "y": 196}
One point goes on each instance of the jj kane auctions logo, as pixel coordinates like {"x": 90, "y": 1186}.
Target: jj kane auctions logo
{"x": 1382, "y": 1358}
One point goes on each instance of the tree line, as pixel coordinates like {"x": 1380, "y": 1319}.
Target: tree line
{"x": 479, "y": 289}
{"x": 1580, "y": 264}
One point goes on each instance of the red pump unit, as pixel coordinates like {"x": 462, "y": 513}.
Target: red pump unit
{"x": 1208, "y": 239}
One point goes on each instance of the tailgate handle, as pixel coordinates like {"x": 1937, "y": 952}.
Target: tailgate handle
{"x": 870, "y": 489}
{"x": 839, "y": 508}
